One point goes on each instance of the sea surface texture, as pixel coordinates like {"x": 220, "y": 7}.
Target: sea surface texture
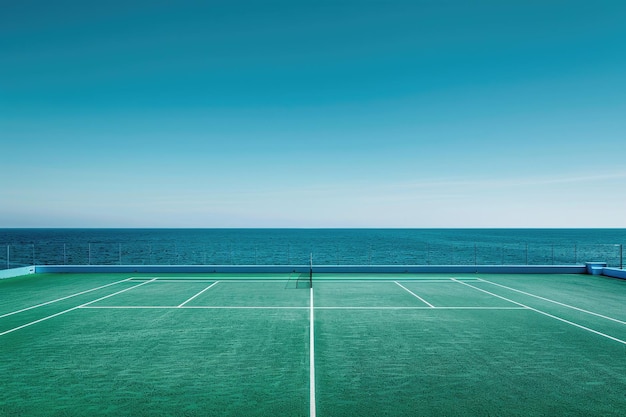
{"x": 20, "y": 247}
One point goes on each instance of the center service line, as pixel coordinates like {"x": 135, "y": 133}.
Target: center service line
{"x": 312, "y": 359}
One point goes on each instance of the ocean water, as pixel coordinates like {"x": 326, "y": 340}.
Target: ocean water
{"x": 19, "y": 247}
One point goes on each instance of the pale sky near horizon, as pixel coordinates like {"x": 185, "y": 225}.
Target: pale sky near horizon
{"x": 313, "y": 114}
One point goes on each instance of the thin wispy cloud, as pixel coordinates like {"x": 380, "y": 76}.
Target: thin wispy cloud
{"x": 507, "y": 182}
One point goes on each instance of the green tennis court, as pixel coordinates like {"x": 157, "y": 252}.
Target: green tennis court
{"x": 353, "y": 344}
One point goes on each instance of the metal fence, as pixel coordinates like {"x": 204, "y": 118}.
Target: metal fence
{"x": 232, "y": 253}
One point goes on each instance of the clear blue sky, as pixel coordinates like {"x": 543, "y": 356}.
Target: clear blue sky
{"x": 313, "y": 114}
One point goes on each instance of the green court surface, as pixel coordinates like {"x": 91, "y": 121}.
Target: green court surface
{"x": 269, "y": 345}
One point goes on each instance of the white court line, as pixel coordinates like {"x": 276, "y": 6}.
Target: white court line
{"x": 225, "y": 277}
{"x": 255, "y": 281}
{"x": 436, "y": 281}
{"x": 221, "y": 279}
{"x": 421, "y": 308}
{"x": 207, "y": 288}
{"x": 303, "y": 308}
{"x": 547, "y": 314}
{"x": 128, "y": 307}
{"x": 208, "y": 279}
{"x": 555, "y": 302}
{"x": 367, "y": 281}
{"x": 312, "y": 358}
{"x": 71, "y": 309}
{"x": 181, "y": 281}
{"x": 200, "y": 307}
{"x": 415, "y": 295}
{"x": 63, "y": 298}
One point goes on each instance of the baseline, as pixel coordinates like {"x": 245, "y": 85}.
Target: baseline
{"x": 237, "y": 279}
{"x": 421, "y": 308}
{"x": 405, "y": 280}
{"x": 196, "y": 307}
{"x": 162, "y": 280}
{"x": 297, "y": 308}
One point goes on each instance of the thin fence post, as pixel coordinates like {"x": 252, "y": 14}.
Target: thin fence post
{"x": 526, "y": 253}
{"x": 475, "y": 255}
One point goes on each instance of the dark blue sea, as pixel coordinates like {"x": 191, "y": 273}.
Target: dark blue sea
{"x": 19, "y": 247}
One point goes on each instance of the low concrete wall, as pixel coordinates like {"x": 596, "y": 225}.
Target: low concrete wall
{"x": 17, "y": 272}
{"x": 595, "y": 268}
{"x": 455, "y": 269}
{"x": 390, "y": 269}
{"x": 614, "y": 273}
{"x": 152, "y": 269}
